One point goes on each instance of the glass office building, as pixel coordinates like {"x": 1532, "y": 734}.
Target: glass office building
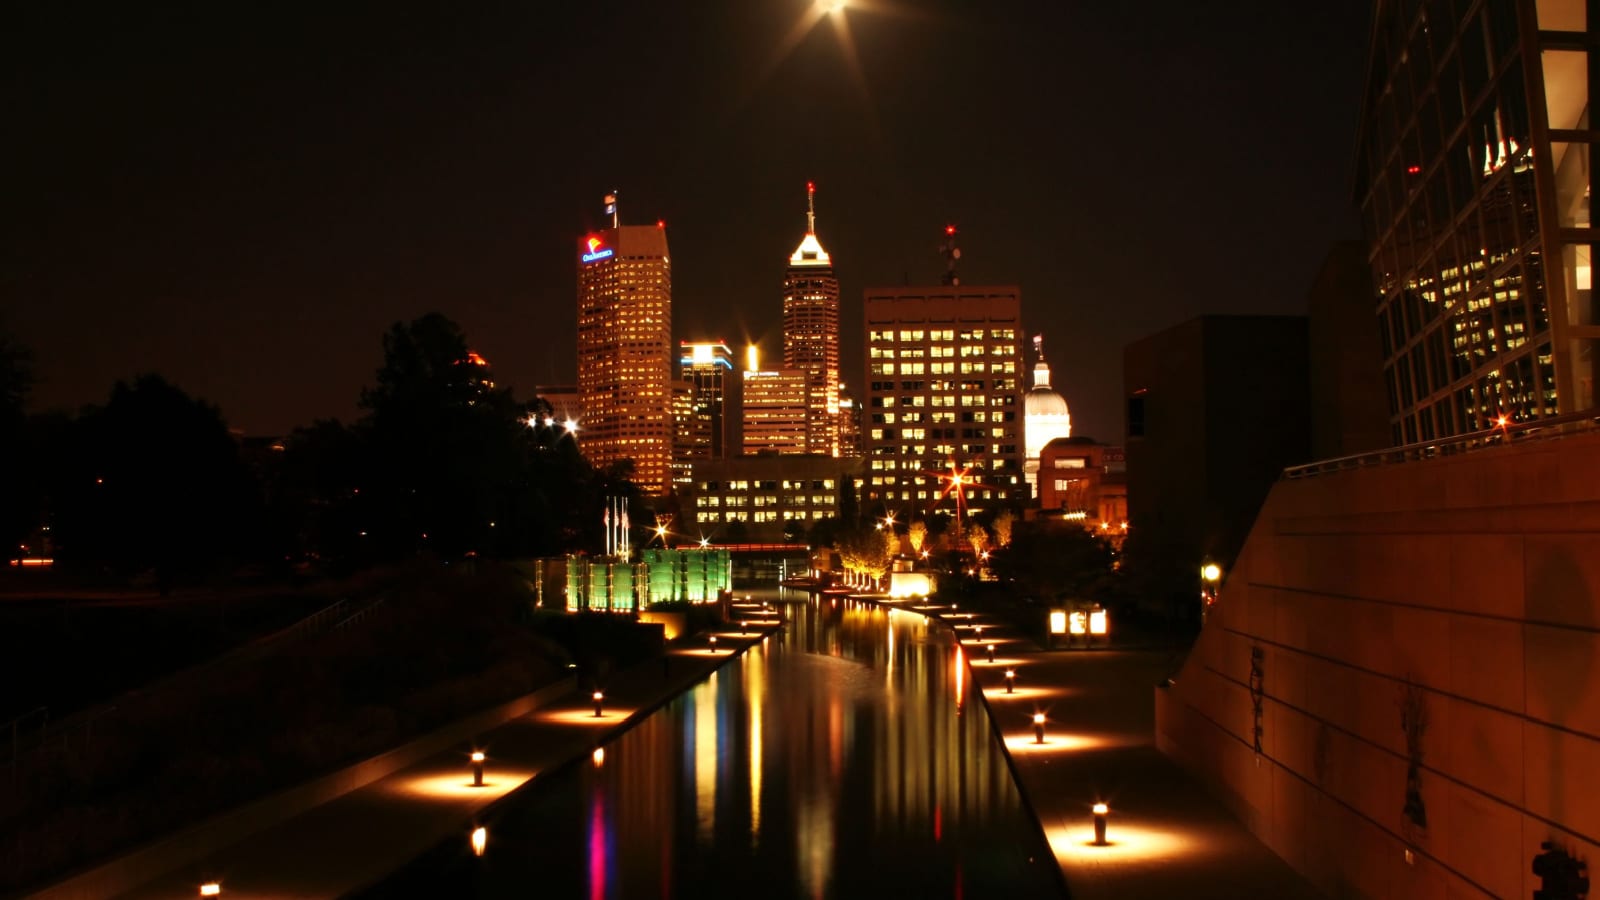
{"x": 1473, "y": 173}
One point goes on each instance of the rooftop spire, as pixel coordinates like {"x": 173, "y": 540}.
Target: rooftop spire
{"x": 811, "y": 207}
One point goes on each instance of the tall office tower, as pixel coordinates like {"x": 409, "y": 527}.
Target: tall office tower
{"x": 708, "y": 367}
{"x": 775, "y": 408}
{"x": 811, "y": 332}
{"x": 625, "y": 350}
{"x": 849, "y": 423}
{"x": 944, "y": 398}
{"x": 1473, "y": 176}
{"x": 689, "y": 435}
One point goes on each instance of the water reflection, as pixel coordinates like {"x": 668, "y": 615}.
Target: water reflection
{"x": 839, "y": 758}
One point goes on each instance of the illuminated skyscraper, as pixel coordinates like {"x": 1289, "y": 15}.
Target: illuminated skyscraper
{"x": 708, "y": 367}
{"x": 775, "y": 409}
{"x": 944, "y": 395}
{"x": 1473, "y": 172}
{"x": 625, "y": 350}
{"x": 811, "y": 333}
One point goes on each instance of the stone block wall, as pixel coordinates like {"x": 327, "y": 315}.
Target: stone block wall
{"x": 1399, "y": 688}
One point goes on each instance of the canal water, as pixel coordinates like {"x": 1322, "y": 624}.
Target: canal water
{"x": 844, "y": 756}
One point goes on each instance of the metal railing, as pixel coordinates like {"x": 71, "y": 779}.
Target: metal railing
{"x": 1499, "y": 436}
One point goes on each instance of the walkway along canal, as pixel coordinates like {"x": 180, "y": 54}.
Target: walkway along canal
{"x": 847, "y": 755}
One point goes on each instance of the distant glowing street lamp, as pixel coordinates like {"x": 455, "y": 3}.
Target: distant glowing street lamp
{"x": 1101, "y": 811}
{"x": 1038, "y": 728}
{"x": 477, "y": 768}
{"x": 1210, "y": 581}
{"x": 599, "y": 703}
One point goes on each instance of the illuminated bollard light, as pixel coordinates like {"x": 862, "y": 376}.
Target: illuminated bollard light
{"x": 480, "y": 840}
{"x": 713, "y": 643}
{"x": 1038, "y": 728}
{"x": 1100, "y": 813}
{"x": 599, "y": 701}
{"x": 211, "y": 889}
{"x": 477, "y": 768}
{"x": 1011, "y": 680}
{"x": 990, "y": 649}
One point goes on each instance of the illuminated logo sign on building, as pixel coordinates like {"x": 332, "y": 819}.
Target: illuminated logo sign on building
{"x": 596, "y": 252}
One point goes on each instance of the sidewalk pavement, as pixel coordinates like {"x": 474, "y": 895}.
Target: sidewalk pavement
{"x": 1166, "y": 836}
{"x": 352, "y": 842}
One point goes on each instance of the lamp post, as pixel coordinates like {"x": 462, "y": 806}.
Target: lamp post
{"x": 990, "y": 648}
{"x": 1011, "y": 680}
{"x": 1210, "y": 580}
{"x": 713, "y": 643}
{"x": 477, "y": 768}
{"x": 1100, "y": 813}
{"x": 211, "y": 889}
{"x": 599, "y": 701}
{"x": 1038, "y": 728}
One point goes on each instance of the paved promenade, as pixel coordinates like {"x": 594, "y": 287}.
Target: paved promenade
{"x": 1166, "y": 836}
{"x": 355, "y": 840}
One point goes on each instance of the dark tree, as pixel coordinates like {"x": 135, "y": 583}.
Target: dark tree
{"x": 20, "y": 496}
{"x": 153, "y": 482}
{"x": 1048, "y": 559}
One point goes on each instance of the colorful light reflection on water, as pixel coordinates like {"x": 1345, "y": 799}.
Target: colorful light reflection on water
{"x": 840, "y": 758}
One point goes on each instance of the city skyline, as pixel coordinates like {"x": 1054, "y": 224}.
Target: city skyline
{"x": 246, "y": 209}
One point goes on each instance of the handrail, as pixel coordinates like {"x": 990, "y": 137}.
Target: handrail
{"x": 1500, "y": 435}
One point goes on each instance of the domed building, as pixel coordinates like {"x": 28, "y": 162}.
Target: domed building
{"x": 1045, "y": 417}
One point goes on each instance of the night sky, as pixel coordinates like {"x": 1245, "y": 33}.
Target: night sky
{"x": 243, "y": 196}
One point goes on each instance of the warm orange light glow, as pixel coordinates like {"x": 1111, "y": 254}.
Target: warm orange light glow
{"x": 1101, "y": 809}
{"x": 1080, "y": 622}
{"x": 1058, "y": 622}
{"x": 1038, "y": 718}
{"x": 594, "y": 243}
{"x": 480, "y": 840}
{"x": 599, "y": 757}
{"x": 477, "y": 756}
{"x": 211, "y": 889}
{"x": 1211, "y": 572}
{"x": 599, "y": 695}
{"x": 1098, "y": 623}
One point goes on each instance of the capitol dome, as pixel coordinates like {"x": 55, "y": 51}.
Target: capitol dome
{"x": 1045, "y": 416}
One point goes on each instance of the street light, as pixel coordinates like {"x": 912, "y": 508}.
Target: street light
{"x": 1211, "y": 579}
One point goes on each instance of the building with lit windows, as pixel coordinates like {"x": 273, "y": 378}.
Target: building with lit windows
{"x": 761, "y": 499}
{"x": 775, "y": 411}
{"x": 708, "y": 367}
{"x": 944, "y": 394}
{"x": 811, "y": 332}
{"x": 1472, "y": 174}
{"x": 1045, "y": 417}
{"x": 566, "y": 402}
{"x": 1085, "y": 482}
{"x": 849, "y": 422}
{"x": 625, "y": 351}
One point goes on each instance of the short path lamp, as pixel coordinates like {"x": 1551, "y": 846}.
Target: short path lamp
{"x": 990, "y": 649}
{"x": 713, "y": 643}
{"x": 477, "y": 768}
{"x": 1100, "y": 813}
{"x": 599, "y": 702}
{"x": 1011, "y": 680}
{"x": 1038, "y": 728}
{"x": 211, "y": 889}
